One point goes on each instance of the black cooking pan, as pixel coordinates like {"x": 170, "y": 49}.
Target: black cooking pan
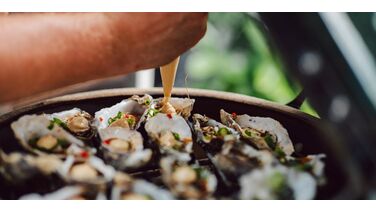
{"x": 309, "y": 134}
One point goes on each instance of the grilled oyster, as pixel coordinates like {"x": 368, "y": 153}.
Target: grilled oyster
{"x": 187, "y": 181}
{"x": 123, "y": 148}
{"x": 180, "y": 106}
{"x": 261, "y": 132}
{"x": 76, "y": 121}
{"x": 171, "y": 132}
{"x": 90, "y": 171}
{"x": 127, "y": 188}
{"x": 71, "y": 192}
{"x": 211, "y": 135}
{"x": 129, "y": 113}
{"x": 41, "y": 136}
{"x": 18, "y": 167}
{"x": 277, "y": 182}
{"x": 237, "y": 158}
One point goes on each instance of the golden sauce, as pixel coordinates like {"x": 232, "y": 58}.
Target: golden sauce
{"x": 168, "y": 73}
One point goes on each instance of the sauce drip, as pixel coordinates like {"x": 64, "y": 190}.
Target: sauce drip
{"x": 168, "y": 73}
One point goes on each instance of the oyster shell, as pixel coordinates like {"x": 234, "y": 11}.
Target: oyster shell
{"x": 90, "y": 171}
{"x": 187, "y": 181}
{"x": 277, "y": 182}
{"x": 72, "y": 192}
{"x": 311, "y": 163}
{"x": 129, "y": 113}
{"x": 39, "y": 135}
{"x": 171, "y": 132}
{"x": 211, "y": 135}
{"x": 237, "y": 158}
{"x": 264, "y": 133}
{"x": 127, "y": 188}
{"x": 18, "y": 167}
{"x": 181, "y": 106}
{"x": 123, "y": 148}
{"x": 76, "y": 121}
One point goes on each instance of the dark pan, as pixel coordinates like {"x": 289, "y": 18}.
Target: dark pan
{"x": 308, "y": 133}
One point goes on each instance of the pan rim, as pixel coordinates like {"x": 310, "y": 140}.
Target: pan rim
{"x": 195, "y": 92}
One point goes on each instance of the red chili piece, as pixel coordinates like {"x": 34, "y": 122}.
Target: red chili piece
{"x": 84, "y": 154}
{"x": 169, "y": 115}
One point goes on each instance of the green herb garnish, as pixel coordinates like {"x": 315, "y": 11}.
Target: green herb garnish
{"x": 58, "y": 122}
{"x": 176, "y": 136}
{"x": 248, "y": 133}
{"x": 117, "y": 117}
{"x": 207, "y": 138}
{"x": 152, "y": 112}
{"x": 51, "y": 125}
{"x": 223, "y": 131}
{"x": 279, "y": 186}
{"x": 279, "y": 152}
{"x": 276, "y": 181}
{"x": 270, "y": 141}
{"x": 201, "y": 173}
{"x": 304, "y": 167}
{"x": 130, "y": 121}
{"x": 63, "y": 143}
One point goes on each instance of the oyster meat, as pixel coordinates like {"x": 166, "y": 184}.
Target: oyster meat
{"x": 129, "y": 113}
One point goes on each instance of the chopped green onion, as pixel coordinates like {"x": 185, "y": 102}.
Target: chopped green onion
{"x": 270, "y": 141}
{"x": 58, "y": 122}
{"x": 223, "y": 131}
{"x": 279, "y": 152}
{"x": 248, "y": 133}
{"x": 304, "y": 167}
{"x": 118, "y": 116}
{"x": 207, "y": 138}
{"x": 201, "y": 173}
{"x": 131, "y": 122}
{"x": 176, "y": 136}
{"x": 152, "y": 112}
{"x": 276, "y": 181}
{"x": 51, "y": 125}
{"x": 63, "y": 143}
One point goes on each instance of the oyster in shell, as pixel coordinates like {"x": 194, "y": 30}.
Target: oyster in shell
{"x": 277, "y": 182}
{"x": 129, "y": 113}
{"x": 123, "y": 148}
{"x": 187, "y": 181}
{"x": 41, "y": 136}
{"x": 180, "y": 106}
{"x": 18, "y": 167}
{"x": 211, "y": 135}
{"x": 171, "y": 132}
{"x": 312, "y": 164}
{"x": 91, "y": 171}
{"x": 71, "y": 192}
{"x": 237, "y": 158}
{"x": 76, "y": 121}
{"x": 261, "y": 132}
{"x": 127, "y": 188}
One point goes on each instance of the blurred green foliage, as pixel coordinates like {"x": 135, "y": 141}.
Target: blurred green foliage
{"x": 235, "y": 56}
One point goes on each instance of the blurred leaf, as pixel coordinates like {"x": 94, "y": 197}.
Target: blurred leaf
{"x": 235, "y": 56}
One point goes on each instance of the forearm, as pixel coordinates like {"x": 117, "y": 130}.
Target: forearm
{"x": 40, "y": 52}
{"x": 47, "y": 51}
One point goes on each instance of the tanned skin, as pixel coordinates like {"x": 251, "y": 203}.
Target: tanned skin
{"x": 42, "y": 52}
